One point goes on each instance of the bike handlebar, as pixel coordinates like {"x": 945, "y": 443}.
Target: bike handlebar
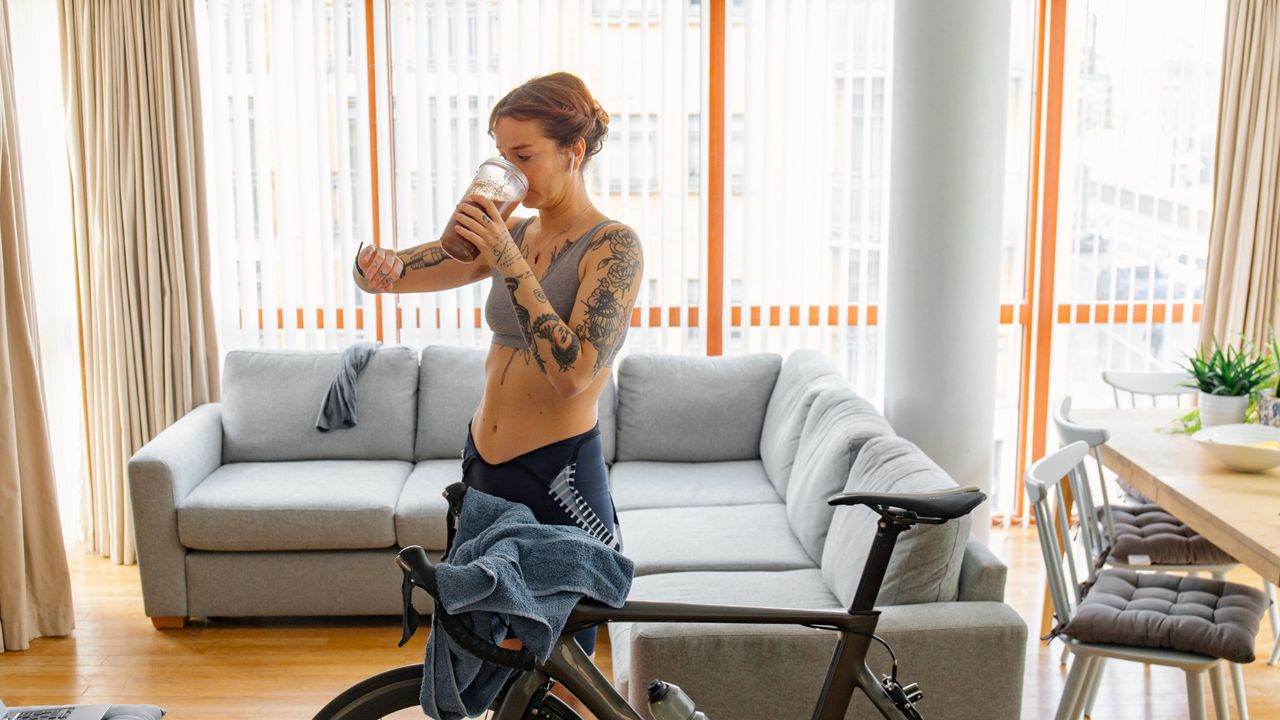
{"x": 419, "y": 571}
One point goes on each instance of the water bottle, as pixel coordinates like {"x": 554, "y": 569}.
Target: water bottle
{"x": 669, "y": 702}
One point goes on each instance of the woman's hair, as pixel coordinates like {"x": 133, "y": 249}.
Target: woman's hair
{"x": 563, "y": 106}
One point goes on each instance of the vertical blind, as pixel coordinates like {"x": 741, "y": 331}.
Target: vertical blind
{"x": 645, "y": 63}
{"x": 1137, "y": 176}
{"x": 290, "y": 184}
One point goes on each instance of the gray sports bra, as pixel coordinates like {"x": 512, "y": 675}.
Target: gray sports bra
{"x": 560, "y": 284}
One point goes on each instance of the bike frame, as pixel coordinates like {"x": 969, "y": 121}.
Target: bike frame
{"x": 570, "y": 666}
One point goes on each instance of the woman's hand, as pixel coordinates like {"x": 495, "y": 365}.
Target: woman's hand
{"x": 480, "y": 223}
{"x": 380, "y": 267}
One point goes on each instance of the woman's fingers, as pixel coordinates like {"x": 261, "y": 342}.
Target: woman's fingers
{"x": 365, "y": 259}
{"x": 381, "y": 267}
{"x": 486, "y": 205}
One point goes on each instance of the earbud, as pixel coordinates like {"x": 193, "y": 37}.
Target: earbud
{"x": 572, "y": 164}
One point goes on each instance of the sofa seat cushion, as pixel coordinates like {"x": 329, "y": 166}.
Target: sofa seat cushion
{"x": 271, "y": 398}
{"x": 1213, "y": 618}
{"x": 1147, "y": 529}
{"x": 679, "y": 408}
{"x": 304, "y": 505}
{"x": 801, "y": 588}
{"x": 925, "y": 566}
{"x": 421, "y": 511}
{"x": 786, "y": 588}
{"x": 728, "y": 537}
{"x": 642, "y": 484}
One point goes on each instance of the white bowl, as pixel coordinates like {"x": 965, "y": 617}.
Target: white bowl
{"x": 1232, "y": 446}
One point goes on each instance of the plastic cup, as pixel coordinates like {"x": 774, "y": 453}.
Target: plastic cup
{"x": 501, "y": 182}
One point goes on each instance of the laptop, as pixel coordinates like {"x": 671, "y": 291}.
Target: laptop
{"x": 55, "y": 712}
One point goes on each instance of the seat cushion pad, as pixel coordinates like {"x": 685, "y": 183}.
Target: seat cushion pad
{"x": 421, "y": 510}
{"x": 1148, "y": 530}
{"x": 303, "y": 505}
{"x": 643, "y": 484}
{"x": 720, "y": 537}
{"x": 1196, "y": 615}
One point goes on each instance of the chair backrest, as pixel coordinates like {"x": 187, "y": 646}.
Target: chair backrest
{"x": 1044, "y": 480}
{"x": 1100, "y": 512}
{"x": 1153, "y": 385}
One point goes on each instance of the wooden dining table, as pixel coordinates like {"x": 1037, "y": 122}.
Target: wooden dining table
{"x": 1239, "y": 512}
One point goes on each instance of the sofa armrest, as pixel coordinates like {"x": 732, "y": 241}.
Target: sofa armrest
{"x": 161, "y": 474}
{"x": 982, "y": 574}
{"x": 967, "y": 656}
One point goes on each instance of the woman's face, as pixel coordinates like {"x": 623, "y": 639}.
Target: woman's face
{"x": 546, "y": 165}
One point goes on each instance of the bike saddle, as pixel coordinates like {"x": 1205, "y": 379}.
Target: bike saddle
{"x": 940, "y": 505}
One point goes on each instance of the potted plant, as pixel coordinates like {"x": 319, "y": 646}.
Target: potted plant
{"x": 1226, "y": 378}
{"x": 1268, "y": 402}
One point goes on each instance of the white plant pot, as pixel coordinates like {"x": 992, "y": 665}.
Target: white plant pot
{"x": 1222, "y": 409}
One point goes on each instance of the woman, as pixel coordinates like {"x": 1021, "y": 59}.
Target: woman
{"x": 564, "y": 285}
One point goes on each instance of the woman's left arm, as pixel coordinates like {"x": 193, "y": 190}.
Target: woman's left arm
{"x": 570, "y": 352}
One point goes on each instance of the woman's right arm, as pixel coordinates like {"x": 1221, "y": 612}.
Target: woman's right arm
{"x": 425, "y": 268}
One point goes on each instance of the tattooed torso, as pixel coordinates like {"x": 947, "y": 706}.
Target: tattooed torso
{"x": 521, "y": 410}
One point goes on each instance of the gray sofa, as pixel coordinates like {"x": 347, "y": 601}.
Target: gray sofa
{"x": 720, "y": 468}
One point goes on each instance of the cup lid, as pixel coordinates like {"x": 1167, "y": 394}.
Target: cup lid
{"x": 512, "y": 171}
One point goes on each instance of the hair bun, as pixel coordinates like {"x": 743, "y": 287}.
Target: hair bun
{"x": 598, "y": 131}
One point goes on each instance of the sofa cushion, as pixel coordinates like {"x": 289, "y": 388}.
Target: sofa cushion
{"x": 450, "y": 387}
{"x": 926, "y": 561}
{"x": 804, "y": 374}
{"x": 270, "y": 400}
{"x": 693, "y": 409}
{"x": 730, "y": 537}
{"x": 304, "y": 505}
{"x": 801, "y": 588}
{"x": 642, "y": 484}
{"x": 839, "y": 424}
{"x": 783, "y": 588}
{"x": 421, "y": 510}
{"x": 1196, "y": 615}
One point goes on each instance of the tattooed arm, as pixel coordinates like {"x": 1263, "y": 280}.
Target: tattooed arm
{"x": 570, "y": 352}
{"x": 428, "y": 269}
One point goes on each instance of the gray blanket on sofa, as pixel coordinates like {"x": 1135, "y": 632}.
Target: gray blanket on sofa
{"x": 508, "y": 575}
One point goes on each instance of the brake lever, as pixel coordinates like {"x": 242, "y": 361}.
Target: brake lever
{"x": 411, "y": 618}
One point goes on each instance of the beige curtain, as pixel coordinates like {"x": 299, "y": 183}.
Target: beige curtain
{"x": 131, "y": 85}
{"x": 35, "y": 585}
{"x": 1244, "y": 240}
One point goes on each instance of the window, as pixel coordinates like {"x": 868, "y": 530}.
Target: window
{"x": 634, "y": 137}
{"x": 289, "y": 192}
{"x": 631, "y": 11}
{"x": 695, "y": 153}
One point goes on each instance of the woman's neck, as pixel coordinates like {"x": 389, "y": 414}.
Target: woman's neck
{"x": 569, "y": 209}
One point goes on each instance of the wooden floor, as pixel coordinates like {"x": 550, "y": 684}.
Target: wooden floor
{"x": 290, "y": 668}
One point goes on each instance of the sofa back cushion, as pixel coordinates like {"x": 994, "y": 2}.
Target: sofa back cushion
{"x": 679, "y": 408}
{"x": 839, "y": 424}
{"x": 926, "y": 561}
{"x": 450, "y": 386}
{"x": 802, "y": 377}
{"x": 271, "y": 398}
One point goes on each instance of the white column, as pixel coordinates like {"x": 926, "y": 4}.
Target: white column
{"x": 950, "y": 94}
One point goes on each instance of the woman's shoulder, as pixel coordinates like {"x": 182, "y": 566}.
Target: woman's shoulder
{"x": 609, "y": 233}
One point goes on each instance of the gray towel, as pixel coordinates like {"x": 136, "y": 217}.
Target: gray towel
{"x": 509, "y": 575}
{"x": 339, "y": 407}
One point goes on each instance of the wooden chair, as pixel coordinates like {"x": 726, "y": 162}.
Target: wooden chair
{"x": 1069, "y": 592}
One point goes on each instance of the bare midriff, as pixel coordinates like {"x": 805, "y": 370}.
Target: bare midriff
{"x": 521, "y": 411}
